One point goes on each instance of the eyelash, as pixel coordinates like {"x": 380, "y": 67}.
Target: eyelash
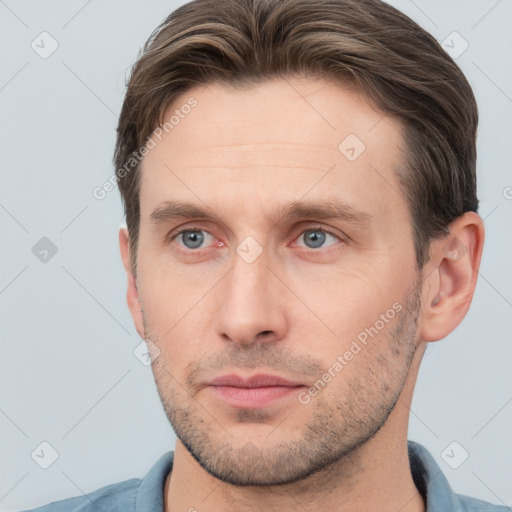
{"x": 172, "y": 236}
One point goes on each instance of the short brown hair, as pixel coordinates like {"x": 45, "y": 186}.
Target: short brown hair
{"x": 399, "y": 66}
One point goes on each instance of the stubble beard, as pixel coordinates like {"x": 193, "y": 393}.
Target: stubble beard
{"x": 340, "y": 423}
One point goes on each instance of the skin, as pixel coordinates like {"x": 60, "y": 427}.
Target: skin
{"x": 294, "y": 309}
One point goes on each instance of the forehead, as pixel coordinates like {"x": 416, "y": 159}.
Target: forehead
{"x": 275, "y": 142}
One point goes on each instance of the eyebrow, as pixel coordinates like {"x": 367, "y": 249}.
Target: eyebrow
{"x": 330, "y": 209}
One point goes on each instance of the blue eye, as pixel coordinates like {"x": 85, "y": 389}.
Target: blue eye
{"x": 315, "y": 238}
{"x": 192, "y": 238}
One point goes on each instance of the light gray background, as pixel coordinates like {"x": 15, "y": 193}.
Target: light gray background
{"x": 68, "y": 373}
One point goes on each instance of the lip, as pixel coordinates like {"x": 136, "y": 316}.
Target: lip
{"x": 255, "y": 381}
{"x": 252, "y": 392}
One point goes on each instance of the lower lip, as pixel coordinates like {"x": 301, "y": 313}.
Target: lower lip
{"x": 248, "y": 398}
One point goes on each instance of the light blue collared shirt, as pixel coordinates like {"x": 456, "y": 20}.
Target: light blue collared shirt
{"x": 147, "y": 495}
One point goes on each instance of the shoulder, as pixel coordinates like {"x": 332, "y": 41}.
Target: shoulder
{"x": 115, "y": 497}
{"x": 134, "y": 495}
{"x": 470, "y": 504}
{"x": 435, "y": 489}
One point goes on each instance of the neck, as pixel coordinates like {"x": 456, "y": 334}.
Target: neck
{"x": 369, "y": 478}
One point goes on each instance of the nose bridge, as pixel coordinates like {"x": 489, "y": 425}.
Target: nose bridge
{"x": 248, "y": 279}
{"x": 250, "y": 305}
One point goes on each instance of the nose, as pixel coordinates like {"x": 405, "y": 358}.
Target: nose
{"x": 251, "y": 308}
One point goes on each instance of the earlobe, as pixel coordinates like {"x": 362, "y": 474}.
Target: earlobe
{"x": 452, "y": 276}
{"x": 132, "y": 293}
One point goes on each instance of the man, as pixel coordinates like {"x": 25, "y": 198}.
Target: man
{"x": 299, "y": 187}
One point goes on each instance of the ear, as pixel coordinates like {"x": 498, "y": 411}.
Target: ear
{"x": 451, "y": 276}
{"x": 132, "y": 294}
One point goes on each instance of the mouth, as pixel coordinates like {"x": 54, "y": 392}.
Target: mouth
{"x": 256, "y": 391}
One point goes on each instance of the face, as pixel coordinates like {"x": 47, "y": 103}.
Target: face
{"x": 277, "y": 276}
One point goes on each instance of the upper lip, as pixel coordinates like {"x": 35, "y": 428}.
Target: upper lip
{"x": 255, "y": 381}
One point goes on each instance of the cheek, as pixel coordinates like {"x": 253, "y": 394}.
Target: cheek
{"x": 176, "y": 317}
{"x": 169, "y": 295}
{"x": 347, "y": 305}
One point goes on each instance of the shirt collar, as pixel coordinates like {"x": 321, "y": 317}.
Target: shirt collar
{"x": 430, "y": 481}
{"x": 150, "y": 497}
